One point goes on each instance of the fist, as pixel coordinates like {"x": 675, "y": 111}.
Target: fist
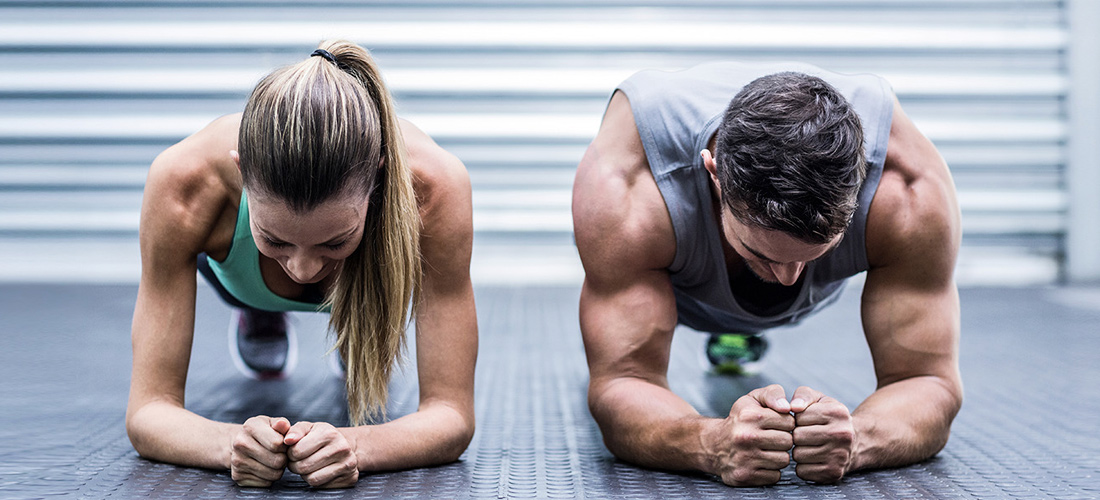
{"x": 750, "y": 446}
{"x": 824, "y": 437}
{"x": 322, "y": 455}
{"x": 257, "y": 455}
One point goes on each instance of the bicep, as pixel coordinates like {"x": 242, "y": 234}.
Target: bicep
{"x": 910, "y": 304}
{"x": 627, "y": 326}
{"x": 911, "y": 331}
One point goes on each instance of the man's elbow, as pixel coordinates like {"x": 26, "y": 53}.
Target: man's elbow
{"x": 951, "y": 406}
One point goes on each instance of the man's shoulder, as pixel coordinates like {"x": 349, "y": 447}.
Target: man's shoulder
{"x": 914, "y": 217}
{"x": 619, "y": 215}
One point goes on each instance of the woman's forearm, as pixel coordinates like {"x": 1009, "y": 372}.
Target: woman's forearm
{"x": 168, "y": 433}
{"x": 436, "y": 434}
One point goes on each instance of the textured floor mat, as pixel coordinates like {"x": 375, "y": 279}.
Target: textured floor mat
{"x": 1029, "y": 427}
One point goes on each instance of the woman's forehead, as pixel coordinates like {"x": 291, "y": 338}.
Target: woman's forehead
{"x": 329, "y": 219}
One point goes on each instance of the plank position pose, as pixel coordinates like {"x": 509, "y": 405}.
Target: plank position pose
{"x": 316, "y": 198}
{"x": 733, "y": 217}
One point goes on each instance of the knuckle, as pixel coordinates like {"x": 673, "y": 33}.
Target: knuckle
{"x": 750, "y": 416}
{"x": 843, "y": 436}
{"x": 342, "y": 448}
{"x": 744, "y": 438}
{"x": 740, "y": 476}
{"x": 836, "y": 409}
{"x": 831, "y": 474}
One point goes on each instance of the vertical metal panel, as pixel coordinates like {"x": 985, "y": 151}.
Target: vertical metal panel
{"x": 1083, "y": 107}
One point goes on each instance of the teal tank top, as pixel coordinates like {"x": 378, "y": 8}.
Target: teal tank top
{"x": 676, "y": 114}
{"x": 240, "y": 273}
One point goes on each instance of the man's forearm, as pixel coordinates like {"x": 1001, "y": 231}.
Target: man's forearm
{"x": 904, "y": 422}
{"x": 648, "y": 425}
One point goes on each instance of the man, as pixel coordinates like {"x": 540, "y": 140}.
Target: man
{"x": 732, "y": 217}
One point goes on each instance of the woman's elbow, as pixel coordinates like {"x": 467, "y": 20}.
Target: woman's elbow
{"x": 461, "y": 433}
{"x": 138, "y": 438}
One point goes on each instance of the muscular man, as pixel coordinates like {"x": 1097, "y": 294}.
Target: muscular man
{"x": 733, "y": 217}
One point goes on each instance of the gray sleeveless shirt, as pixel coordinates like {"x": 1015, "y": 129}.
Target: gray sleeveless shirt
{"x": 677, "y": 113}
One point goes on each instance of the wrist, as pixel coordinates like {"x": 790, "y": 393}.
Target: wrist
{"x": 356, "y": 440}
{"x": 708, "y": 457}
{"x": 229, "y": 435}
{"x": 861, "y": 434}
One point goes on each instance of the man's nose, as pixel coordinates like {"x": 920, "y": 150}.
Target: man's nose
{"x": 787, "y": 274}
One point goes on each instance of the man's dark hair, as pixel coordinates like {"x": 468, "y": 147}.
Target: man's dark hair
{"x": 790, "y": 157}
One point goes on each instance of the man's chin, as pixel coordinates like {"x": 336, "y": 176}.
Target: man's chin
{"x": 772, "y": 280}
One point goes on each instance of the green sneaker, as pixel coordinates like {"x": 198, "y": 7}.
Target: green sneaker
{"x": 735, "y": 354}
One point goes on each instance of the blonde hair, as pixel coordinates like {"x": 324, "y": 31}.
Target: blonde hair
{"x": 313, "y": 130}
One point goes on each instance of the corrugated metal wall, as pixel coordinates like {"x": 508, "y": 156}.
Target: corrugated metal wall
{"x": 91, "y": 91}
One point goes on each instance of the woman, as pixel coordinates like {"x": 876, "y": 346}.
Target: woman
{"x": 316, "y": 197}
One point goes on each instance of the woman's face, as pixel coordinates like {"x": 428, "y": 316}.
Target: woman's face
{"x": 311, "y": 245}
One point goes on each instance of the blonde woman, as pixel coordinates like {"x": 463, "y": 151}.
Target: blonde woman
{"x": 317, "y": 197}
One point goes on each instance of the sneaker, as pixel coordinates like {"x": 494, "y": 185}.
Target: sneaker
{"x": 262, "y": 344}
{"x": 735, "y": 354}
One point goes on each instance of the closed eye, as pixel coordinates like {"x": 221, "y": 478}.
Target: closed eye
{"x": 276, "y": 243}
{"x": 335, "y": 246}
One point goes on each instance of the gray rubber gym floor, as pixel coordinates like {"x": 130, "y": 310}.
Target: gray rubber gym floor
{"x": 1028, "y": 429}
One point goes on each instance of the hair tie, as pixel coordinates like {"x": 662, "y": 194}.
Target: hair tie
{"x": 328, "y": 56}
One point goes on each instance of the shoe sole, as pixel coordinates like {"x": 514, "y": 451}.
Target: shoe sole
{"x": 742, "y": 370}
{"x": 238, "y": 361}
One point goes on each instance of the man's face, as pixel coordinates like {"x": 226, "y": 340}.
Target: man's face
{"x": 773, "y": 256}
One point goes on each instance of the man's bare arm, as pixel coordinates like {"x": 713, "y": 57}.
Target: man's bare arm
{"x": 910, "y": 307}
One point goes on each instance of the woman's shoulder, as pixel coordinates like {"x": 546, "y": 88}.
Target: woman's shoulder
{"x": 201, "y": 158}
{"x": 194, "y": 182}
{"x": 428, "y": 161}
{"x": 443, "y": 192}
{"x": 438, "y": 175}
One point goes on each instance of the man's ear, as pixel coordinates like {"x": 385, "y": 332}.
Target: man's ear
{"x": 236, "y": 158}
{"x": 711, "y": 166}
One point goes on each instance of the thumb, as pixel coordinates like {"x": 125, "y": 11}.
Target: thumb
{"x": 297, "y": 432}
{"x": 772, "y": 397}
{"x": 804, "y": 397}
{"x": 280, "y": 425}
